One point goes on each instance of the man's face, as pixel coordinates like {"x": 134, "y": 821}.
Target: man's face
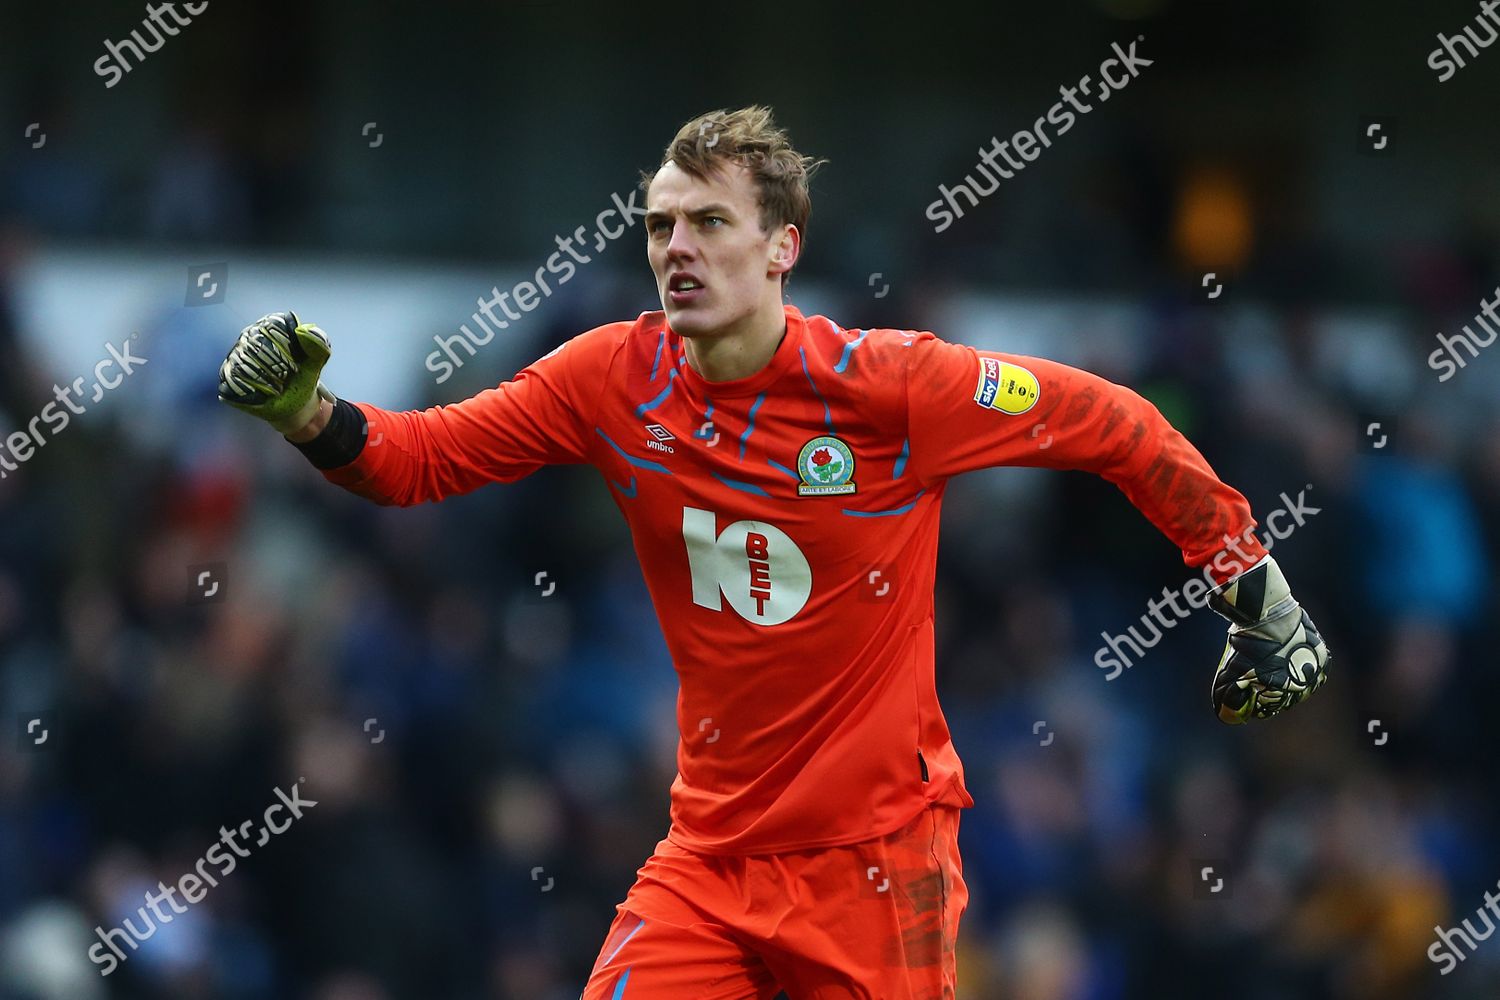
{"x": 707, "y": 232}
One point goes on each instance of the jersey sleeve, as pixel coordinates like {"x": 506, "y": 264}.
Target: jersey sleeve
{"x": 970, "y": 409}
{"x": 544, "y": 416}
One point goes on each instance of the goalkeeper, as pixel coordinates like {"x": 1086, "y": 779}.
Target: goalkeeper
{"x": 788, "y": 535}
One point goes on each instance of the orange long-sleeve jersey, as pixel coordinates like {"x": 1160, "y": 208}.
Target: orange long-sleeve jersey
{"x": 787, "y": 527}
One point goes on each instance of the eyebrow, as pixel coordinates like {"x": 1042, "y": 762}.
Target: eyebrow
{"x": 714, "y": 209}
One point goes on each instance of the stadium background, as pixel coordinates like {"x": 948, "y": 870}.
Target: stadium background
{"x": 515, "y": 732}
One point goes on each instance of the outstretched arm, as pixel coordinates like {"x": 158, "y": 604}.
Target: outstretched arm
{"x": 407, "y": 457}
{"x": 971, "y": 409}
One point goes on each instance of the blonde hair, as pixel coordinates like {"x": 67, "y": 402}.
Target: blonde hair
{"x": 750, "y": 137}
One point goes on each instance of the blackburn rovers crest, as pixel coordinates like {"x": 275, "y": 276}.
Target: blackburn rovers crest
{"x": 826, "y": 466}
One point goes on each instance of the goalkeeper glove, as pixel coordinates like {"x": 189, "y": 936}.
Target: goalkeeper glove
{"x": 1275, "y": 657}
{"x": 272, "y": 371}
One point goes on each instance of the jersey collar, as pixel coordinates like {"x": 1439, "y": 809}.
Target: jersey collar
{"x": 784, "y": 358}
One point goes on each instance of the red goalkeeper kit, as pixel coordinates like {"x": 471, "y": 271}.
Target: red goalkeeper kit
{"x": 787, "y": 527}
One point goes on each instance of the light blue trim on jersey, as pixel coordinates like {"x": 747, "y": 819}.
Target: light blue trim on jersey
{"x": 900, "y": 465}
{"x": 775, "y": 464}
{"x": 661, "y": 397}
{"x": 622, "y": 944}
{"x": 628, "y": 492}
{"x": 640, "y": 463}
{"x": 708, "y": 418}
{"x": 883, "y": 513}
{"x": 746, "y": 487}
{"x": 751, "y": 425}
{"x": 661, "y": 341}
{"x": 848, "y": 350}
{"x": 619, "y": 992}
{"x": 827, "y": 413}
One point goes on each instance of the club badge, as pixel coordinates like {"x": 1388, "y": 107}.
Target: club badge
{"x": 826, "y": 466}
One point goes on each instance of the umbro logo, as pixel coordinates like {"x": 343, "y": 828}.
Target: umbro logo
{"x": 658, "y": 435}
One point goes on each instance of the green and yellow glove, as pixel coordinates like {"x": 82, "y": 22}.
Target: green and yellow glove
{"x": 1275, "y": 657}
{"x": 272, "y": 371}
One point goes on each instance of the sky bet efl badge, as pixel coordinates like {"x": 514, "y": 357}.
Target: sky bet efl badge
{"x": 826, "y": 466}
{"x": 1005, "y": 387}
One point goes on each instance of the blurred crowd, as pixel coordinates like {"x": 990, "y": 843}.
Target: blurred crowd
{"x": 490, "y": 766}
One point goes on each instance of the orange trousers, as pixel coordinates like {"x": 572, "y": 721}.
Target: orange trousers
{"x": 876, "y": 920}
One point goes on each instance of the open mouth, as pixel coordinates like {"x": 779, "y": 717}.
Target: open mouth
{"x": 684, "y": 288}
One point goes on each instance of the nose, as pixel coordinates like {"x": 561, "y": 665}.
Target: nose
{"x": 681, "y": 243}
